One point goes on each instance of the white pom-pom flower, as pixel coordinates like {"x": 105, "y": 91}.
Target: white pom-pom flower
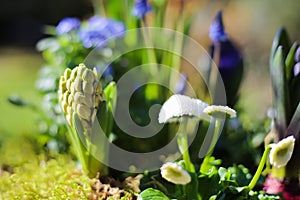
{"x": 281, "y": 152}
{"x": 219, "y": 111}
{"x": 180, "y": 105}
{"x": 174, "y": 173}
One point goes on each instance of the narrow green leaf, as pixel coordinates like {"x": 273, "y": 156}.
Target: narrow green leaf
{"x": 281, "y": 39}
{"x": 17, "y": 101}
{"x": 294, "y": 87}
{"x": 280, "y": 91}
{"x": 152, "y": 194}
{"x": 294, "y": 126}
{"x": 290, "y": 61}
{"x": 110, "y": 93}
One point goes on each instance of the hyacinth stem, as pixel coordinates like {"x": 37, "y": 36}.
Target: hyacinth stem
{"x": 182, "y": 141}
{"x": 213, "y": 76}
{"x": 260, "y": 167}
{"x": 79, "y": 148}
{"x": 98, "y": 6}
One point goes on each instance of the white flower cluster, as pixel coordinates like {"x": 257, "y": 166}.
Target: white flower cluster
{"x": 80, "y": 92}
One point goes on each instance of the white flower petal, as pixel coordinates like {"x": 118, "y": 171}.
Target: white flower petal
{"x": 219, "y": 111}
{"x": 282, "y": 152}
{"x": 180, "y": 105}
{"x": 174, "y": 173}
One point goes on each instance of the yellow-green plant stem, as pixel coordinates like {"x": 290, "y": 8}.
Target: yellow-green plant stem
{"x": 178, "y": 46}
{"x": 150, "y": 51}
{"x": 79, "y": 148}
{"x": 182, "y": 141}
{"x": 260, "y": 167}
{"x": 98, "y": 6}
{"x": 278, "y": 172}
{"x": 217, "y": 123}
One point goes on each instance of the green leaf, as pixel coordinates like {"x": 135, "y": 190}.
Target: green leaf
{"x": 110, "y": 93}
{"x": 281, "y": 39}
{"x": 294, "y": 126}
{"x": 211, "y": 180}
{"x": 280, "y": 91}
{"x": 290, "y": 61}
{"x": 294, "y": 96}
{"x": 17, "y": 100}
{"x": 224, "y": 174}
{"x": 152, "y": 194}
{"x": 192, "y": 187}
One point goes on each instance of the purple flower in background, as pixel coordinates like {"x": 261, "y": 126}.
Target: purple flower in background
{"x": 216, "y": 30}
{"x": 141, "y": 8}
{"x": 67, "y": 24}
{"x": 181, "y": 84}
{"x": 99, "y": 30}
{"x": 297, "y": 69}
{"x": 230, "y": 60}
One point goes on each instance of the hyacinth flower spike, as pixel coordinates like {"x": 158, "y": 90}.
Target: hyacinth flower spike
{"x": 228, "y": 59}
{"x": 82, "y": 99}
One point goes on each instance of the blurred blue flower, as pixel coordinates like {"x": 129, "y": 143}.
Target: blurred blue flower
{"x": 216, "y": 30}
{"x": 230, "y": 60}
{"x": 99, "y": 30}
{"x": 141, "y": 8}
{"x": 297, "y": 69}
{"x": 297, "y": 55}
{"x": 67, "y": 24}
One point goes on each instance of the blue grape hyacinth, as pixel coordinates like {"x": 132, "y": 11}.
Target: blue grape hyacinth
{"x": 141, "y": 8}
{"x": 67, "y": 24}
{"x": 230, "y": 62}
{"x": 99, "y": 30}
{"x": 216, "y": 30}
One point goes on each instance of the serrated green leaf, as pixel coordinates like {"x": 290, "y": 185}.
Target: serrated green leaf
{"x": 280, "y": 91}
{"x": 152, "y": 194}
{"x": 290, "y": 61}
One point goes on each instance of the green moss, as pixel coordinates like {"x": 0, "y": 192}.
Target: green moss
{"x": 25, "y": 175}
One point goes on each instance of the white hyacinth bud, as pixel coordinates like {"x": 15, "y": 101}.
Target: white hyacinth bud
{"x": 80, "y": 92}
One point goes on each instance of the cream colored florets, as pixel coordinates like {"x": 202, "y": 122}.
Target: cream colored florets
{"x": 80, "y": 92}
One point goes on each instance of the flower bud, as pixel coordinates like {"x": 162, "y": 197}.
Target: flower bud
{"x": 141, "y": 8}
{"x": 282, "y": 152}
{"x": 80, "y": 92}
{"x": 220, "y": 111}
{"x": 174, "y": 173}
